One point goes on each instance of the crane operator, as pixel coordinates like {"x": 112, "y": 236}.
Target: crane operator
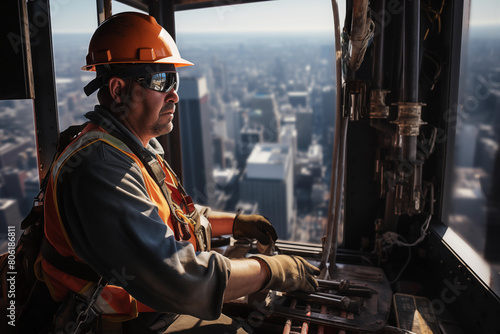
{"x": 138, "y": 244}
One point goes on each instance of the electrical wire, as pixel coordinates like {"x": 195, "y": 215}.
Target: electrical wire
{"x": 433, "y": 15}
{"x": 423, "y": 230}
{"x": 392, "y": 238}
{"x": 404, "y": 266}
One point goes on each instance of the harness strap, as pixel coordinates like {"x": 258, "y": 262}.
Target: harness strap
{"x": 67, "y": 264}
{"x": 181, "y": 227}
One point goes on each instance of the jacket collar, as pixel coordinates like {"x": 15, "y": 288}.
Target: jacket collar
{"x": 106, "y": 120}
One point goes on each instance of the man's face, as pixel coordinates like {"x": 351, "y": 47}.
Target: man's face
{"x": 149, "y": 113}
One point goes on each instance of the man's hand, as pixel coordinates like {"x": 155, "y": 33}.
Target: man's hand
{"x": 290, "y": 273}
{"x": 254, "y": 226}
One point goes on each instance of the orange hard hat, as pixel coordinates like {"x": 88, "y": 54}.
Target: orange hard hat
{"x": 132, "y": 38}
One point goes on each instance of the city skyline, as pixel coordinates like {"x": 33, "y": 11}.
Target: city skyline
{"x": 231, "y": 82}
{"x": 80, "y": 16}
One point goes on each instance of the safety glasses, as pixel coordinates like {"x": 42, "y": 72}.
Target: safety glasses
{"x": 160, "y": 82}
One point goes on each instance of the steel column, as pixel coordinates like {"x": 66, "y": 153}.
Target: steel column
{"x": 45, "y": 102}
{"x": 164, "y": 12}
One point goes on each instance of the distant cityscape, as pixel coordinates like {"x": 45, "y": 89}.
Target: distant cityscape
{"x": 257, "y": 122}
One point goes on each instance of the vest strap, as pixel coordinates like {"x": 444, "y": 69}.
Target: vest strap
{"x": 180, "y": 226}
{"x": 67, "y": 264}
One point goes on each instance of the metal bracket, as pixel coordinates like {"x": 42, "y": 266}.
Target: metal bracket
{"x": 378, "y": 108}
{"x": 409, "y": 120}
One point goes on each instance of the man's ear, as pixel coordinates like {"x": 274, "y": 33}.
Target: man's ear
{"x": 116, "y": 88}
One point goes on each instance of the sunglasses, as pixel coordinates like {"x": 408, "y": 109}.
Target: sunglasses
{"x": 161, "y": 82}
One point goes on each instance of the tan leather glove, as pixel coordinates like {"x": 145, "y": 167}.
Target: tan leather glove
{"x": 290, "y": 273}
{"x": 254, "y": 226}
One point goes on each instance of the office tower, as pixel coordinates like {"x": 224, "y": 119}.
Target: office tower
{"x": 13, "y": 182}
{"x": 234, "y": 120}
{"x": 220, "y": 78}
{"x": 328, "y": 120}
{"x": 31, "y": 187}
{"x": 288, "y": 136}
{"x": 304, "y": 125}
{"x": 265, "y": 112}
{"x": 197, "y": 158}
{"x": 268, "y": 181}
{"x": 316, "y": 104}
{"x": 249, "y": 137}
{"x": 9, "y": 150}
{"x": 298, "y": 99}
{"x": 9, "y": 216}
{"x": 326, "y": 68}
{"x": 315, "y": 159}
{"x": 218, "y": 145}
{"x": 279, "y": 71}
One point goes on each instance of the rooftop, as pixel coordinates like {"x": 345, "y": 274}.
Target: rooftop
{"x": 269, "y": 161}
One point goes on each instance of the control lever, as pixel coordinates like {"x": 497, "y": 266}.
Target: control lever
{"x": 340, "y": 302}
{"x": 345, "y": 288}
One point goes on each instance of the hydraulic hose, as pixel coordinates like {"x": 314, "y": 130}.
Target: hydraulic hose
{"x": 411, "y": 55}
{"x": 339, "y": 195}
{"x": 378, "y": 45}
{"x": 327, "y": 246}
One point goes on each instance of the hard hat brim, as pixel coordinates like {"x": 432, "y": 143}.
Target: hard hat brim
{"x": 176, "y": 61}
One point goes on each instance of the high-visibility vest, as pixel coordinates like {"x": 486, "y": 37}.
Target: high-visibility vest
{"x": 114, "y": 301}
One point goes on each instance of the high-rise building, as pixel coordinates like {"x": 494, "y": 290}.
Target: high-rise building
{"x": 9, "y": 215}
{"x": 265, "y": 112}
{"x": 197, "y": 157}
{"x": 220, "y": 77}
{"x": 218, "y": 147}
{"x": 12, "y": 183}
{"x": 268, "y": 181}
{"x": 328, "y": 120}
{"x": 304, "y": 125}
{"x": 288, "y": 136}
{"x": 249, "y": 137}
{"x": 234, "y": 120}
{"x": 299, "y": 99}
{"x": 9, "y": 151}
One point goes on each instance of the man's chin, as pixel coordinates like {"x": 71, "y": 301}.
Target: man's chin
{"x": 168, "y": 128}
{"x": 163, "y": 130}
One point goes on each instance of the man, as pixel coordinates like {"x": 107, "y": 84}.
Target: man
{"x": 117, "y": 211}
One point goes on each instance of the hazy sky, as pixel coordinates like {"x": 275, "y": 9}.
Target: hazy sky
{"x": 278, "y": 15}
{"x": 281, "y": 15}
{"x": 485, "y": 12}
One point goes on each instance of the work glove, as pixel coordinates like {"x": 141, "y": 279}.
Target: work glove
{"x": 290, "y": 273}
{"x": 254, "y": 226}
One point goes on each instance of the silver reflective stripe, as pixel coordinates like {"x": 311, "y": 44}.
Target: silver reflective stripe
{"x": 85, "y": 140}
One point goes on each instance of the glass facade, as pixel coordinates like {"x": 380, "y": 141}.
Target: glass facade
{"x": 475, "y": 194}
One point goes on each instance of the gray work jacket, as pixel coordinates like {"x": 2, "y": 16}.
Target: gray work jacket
{"x": 116, "y": 229}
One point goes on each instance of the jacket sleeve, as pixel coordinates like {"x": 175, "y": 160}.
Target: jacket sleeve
{"x": 116, "y": 229}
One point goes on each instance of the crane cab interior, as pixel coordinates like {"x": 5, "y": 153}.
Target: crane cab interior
{"x": 394, "y": 192}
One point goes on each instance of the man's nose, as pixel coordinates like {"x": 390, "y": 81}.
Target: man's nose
{"x": 172, "y": 96}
